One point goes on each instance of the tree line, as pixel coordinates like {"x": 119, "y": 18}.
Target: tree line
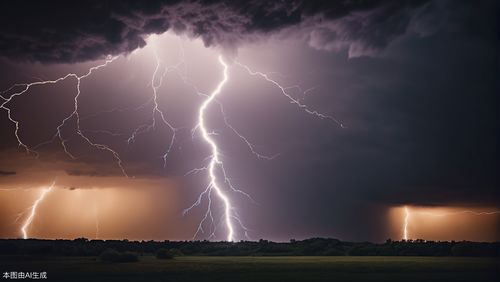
{"x": 308, "y": 247}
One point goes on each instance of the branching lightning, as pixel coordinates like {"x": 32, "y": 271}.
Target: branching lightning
{"x": 156, "y": 83}
{"x": 219, "y": 184}
{"x": 33, "y": 208}
{"x": 287, "y": 95}
{"x": 215, "y": 161}
{"x": 216, "y": 164}
{"x": 74, "y": 114}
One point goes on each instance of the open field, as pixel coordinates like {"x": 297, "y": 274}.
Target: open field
{"x": 301, "y": 268}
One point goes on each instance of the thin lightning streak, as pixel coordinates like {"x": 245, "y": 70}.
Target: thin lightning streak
{"x": 238, "y": 219}
{"x": 198, "y": 201}
{"x": 287, "y": 95}
{"x": 244, "y": 139}
{"x": 407, "y": 218}
{"x": 103, "y": 131}
{"x": 208, "y": 213}
{"x": 227, "y": 180}
{"x": 29, "y": 219}
{"x": 26, "y": 86}
{"x": 156, "y": 109}
{"x": 74, "y": 114}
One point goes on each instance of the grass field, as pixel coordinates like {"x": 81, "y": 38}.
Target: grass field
{"x": 191, "y": 268}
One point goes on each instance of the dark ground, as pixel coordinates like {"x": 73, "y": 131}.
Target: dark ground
{"x": 308, "y": 247}
{"x": 290, "y": 268}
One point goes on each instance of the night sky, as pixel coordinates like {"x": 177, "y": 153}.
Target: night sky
{"x": 414, "y": 84}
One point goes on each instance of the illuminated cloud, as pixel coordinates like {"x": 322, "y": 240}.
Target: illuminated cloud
{"x": 91, "y": 30}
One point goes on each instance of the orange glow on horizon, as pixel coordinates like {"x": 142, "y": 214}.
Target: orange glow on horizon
{"x": 94, "y": 213}
{"x": 445, "y": 223}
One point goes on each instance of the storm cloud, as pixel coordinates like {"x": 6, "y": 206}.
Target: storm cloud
{"x": 415, "y": 83}
{"x": 63, "y": 31}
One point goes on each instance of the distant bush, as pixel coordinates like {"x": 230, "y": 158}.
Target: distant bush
{"x": 111, "y": 255}
{"x": 168, "y": 254}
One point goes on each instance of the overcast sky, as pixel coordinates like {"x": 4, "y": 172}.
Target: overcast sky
{"x": 413, "y": 82}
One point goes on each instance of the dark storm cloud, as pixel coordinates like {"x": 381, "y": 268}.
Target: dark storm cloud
{"x": 431, "y": 116}
{"x": 71, "y": 31}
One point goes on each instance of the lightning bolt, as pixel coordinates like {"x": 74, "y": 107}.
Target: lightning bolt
{"x": 29, "y": 219}
{"x": 444, "y": 214}
{"x": 406, "y": 222}
{"x": 230, "y": 216}
{"x": 73, "y": 115}
{"x": 215, "y": 160}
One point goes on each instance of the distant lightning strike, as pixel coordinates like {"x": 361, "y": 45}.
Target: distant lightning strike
{"x": 405, "y": 227}
{"x": 33, "y": 209}
{"x": 407, "y": 215}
